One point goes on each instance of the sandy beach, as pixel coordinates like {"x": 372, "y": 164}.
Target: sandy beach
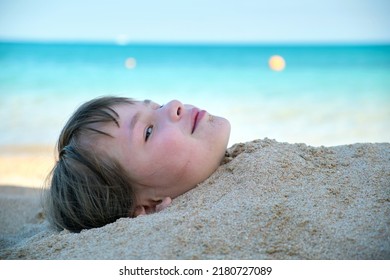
{"x": 25, "y": 166}
{"x": 270, "y": 200}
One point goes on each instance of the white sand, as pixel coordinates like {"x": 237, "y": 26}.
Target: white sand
{"x": 271, "y": 201}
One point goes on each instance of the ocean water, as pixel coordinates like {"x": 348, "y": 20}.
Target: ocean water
{"x": 326, "y": 95}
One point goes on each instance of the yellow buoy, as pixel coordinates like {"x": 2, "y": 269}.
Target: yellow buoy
{"x": 276, "y": 63}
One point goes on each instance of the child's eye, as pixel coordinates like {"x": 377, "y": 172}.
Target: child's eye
{"x": 148, "y": 132}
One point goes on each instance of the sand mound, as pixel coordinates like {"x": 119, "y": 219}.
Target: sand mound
{"x": 269, "y": 201}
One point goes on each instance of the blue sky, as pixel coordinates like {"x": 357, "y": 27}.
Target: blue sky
{"x": 205, "y": 21}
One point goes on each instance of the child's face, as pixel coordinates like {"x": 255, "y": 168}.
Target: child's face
{"x": 167, "y": 150}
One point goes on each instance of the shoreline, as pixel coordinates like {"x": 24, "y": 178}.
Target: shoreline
{"x": 25, "y": 165}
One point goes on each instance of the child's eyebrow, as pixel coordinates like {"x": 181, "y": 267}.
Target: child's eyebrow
{"x": 135, "y": 118}
{"x": 134, "y": 121}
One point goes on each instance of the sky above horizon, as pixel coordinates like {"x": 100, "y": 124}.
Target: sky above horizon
{"x": 197, "y": 21}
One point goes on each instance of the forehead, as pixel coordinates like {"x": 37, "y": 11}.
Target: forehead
{"x": 128, "y": 114}
{"x": 129, "y": 108}
{"x": 148, "y": 102}
{"x": 138, "y": 103}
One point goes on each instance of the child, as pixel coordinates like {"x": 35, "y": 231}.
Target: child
{"x": 122, "y": 158}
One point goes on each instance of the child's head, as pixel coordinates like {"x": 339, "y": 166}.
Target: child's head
{"x": 122, "y": 158}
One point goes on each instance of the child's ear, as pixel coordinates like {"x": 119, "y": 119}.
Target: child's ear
{"x": 152, "y": 207}
{"x": 165, "y": 202}
{"x": 139, "y": 211}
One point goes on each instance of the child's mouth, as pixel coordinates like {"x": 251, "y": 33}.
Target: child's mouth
{"x": 197, "y": 116}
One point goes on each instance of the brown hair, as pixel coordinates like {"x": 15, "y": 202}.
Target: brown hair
{"x": 88, "y": 188}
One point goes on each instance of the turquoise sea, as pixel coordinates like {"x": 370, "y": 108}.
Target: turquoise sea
{"x": 326, "y": 95}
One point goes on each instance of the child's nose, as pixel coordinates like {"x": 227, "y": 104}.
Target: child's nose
{"x": 175, "y": 110}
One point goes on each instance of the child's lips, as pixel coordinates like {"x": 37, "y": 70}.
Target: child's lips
{"x": 196, "y": 116}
